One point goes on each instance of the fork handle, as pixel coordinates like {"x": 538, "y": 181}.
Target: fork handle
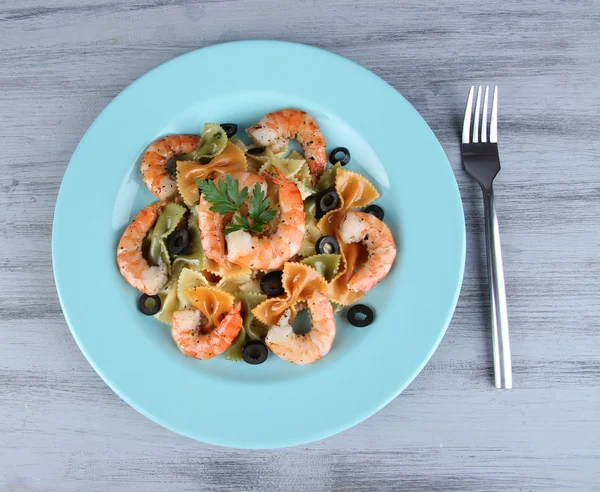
{"x": 498, "y": 310}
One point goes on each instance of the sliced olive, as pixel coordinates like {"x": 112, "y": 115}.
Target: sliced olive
{"x": 256, "y": 150}
{"x": 375, "y": 210}
{"x": 179, "y": 242}
{"x": 149, "y": 305}
{"x": 171, "y": 166}
{"x": 255, "y": 352}
{"x": 360, "y": 315}
{"x": 327, "y": 200}
{"x": 327, "y": 245}
{"x": 230, "y": 129}
{"x": 341, "y": 155}
{"x": 272, "y": 285}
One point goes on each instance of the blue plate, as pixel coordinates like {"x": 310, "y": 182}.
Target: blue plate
{"x": 275, "y": 404}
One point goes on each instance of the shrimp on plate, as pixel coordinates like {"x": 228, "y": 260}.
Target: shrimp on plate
{"x": 269, "y": 252}
{"x": 276, "y": 128}
{"x": 311, "y": 346}
{"x": 211, "y": 224}
{"x": 154, "y": 163}
{"x": 187, "y": 331}
{"x": 132, "y": 264}
{"x": 377, "y": 238}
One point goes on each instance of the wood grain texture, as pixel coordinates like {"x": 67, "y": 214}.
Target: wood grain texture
{"x": 61, "y": 428}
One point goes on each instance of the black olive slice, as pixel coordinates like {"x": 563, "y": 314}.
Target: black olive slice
{"x": 341, "y": 155}
{"x": 229, "y": 128}
{"x": 149, "y": 305}
{"x": 255, "y": 352}
{"x": 360, "y": 315}
{"x": 179, "y": 242}
{"x": 375, "y": 210}
{"x": 327, "y": 245}
{"x": 326, "y": 200}
{"x": 256, "y": 150}
{"x": 271, "y": 284}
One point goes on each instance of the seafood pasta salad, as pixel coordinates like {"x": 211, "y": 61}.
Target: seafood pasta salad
{"x": 245, "y": 237}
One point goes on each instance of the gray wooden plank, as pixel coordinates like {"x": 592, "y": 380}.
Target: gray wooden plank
{"x": 61, "y": 428}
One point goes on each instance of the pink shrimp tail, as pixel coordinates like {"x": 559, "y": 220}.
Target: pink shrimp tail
{"x": 280, "y": 179}
{"x": 236, "y": 309}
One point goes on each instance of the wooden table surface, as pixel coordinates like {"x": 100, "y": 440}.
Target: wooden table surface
{"x": 63, "y": 429}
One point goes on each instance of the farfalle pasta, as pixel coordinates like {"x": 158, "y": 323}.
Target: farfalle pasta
{"x": 327, "y": 265}
{"x": 338, "y": 292}
{"x": 288, "y": 166}
{"x": 230, "y": 160}
{"x": 194, "y": 256}
{"x": 165, "y": 225}
{"x": 299, "y": 282}
{"x": 312, "y": 234}
{"x": 168, "y": 303}
{"x": 239, "y": 144}
{"x": 213, "y": 303}
{"x": 354, "y": 191}
{"x": 188, "y": 279}
{"x": 234, "y": 284}
{"x": 227, "y": 269}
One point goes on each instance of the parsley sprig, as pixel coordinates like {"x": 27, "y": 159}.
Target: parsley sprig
{"x": 227, "y": 197}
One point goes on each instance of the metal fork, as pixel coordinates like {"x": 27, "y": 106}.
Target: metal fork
{"x": 482, "y": 162}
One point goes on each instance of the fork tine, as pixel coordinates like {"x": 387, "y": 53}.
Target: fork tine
{"x": 494, "y": 120}
{"x": 467, "y": 120}
{"x": 485, "y": 111}
{"x": 476, "y": 117}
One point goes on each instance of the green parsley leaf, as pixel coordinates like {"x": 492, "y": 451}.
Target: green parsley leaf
{"x": 259, "y": 209}
{"x": 227, "y": 197}
{"x": 218, "y": 196}
{"x": 232, "y": 228}
{"x": 232, "y": 188}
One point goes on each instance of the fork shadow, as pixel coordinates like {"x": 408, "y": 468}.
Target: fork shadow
{"x": 477, "y": 273}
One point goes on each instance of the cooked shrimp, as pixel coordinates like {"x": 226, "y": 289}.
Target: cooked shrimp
{"x": 377, "y": 237}
{"x": 154, "y": 163}
{"x": 311, "y": 346}
{"x": 211, "y": 224}
{"x": 133, "y": 266}
{"x": 275, "y": 129}
{"x": 272, "y": 251}
{"x": 187, "y": 331}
